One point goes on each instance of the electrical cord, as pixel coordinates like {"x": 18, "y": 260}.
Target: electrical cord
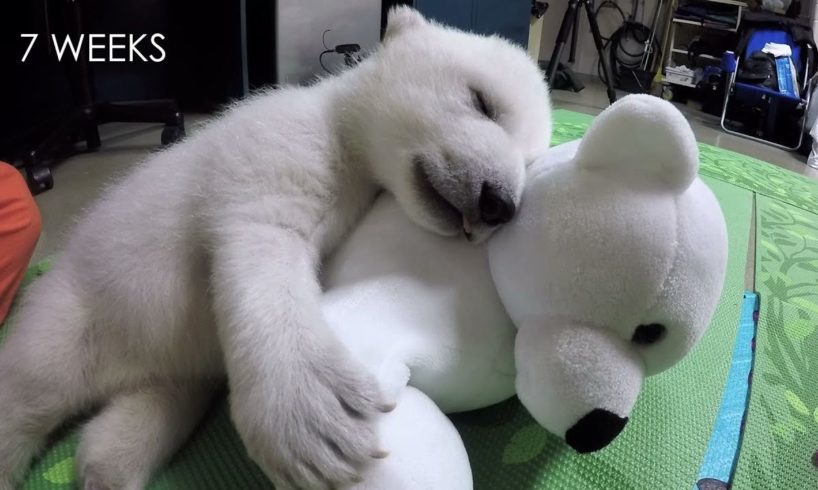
{"x": 348, "y": 51}
{"x": 610, "y": 4}
{"x": 620, "y": 59}
{"x": 327, "y": 50}
{"x": 321, "y": 59}
{"x": 324, "y": 39}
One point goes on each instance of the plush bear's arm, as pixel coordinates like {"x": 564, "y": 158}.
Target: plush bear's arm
{"x": 410, "y": 304}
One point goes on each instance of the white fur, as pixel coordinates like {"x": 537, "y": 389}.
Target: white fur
{"x": 202, "y": 263}
{"x": 615, "y": 231}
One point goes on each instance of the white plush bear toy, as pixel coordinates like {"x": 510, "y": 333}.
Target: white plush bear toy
{"x": 610, "y": 272}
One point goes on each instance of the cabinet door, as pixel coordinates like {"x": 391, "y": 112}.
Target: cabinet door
{"x": 457, "y": 13}
{"x": 508, "y": 18}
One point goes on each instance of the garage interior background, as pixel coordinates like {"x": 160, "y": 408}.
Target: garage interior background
{"x": 223, "y": 50}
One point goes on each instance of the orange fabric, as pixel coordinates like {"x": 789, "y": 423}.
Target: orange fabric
{"x": 20, "y": 226}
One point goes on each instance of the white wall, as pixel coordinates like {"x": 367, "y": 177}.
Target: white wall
{"x": 809, "y": 10}
{"x": 300, "y": 23}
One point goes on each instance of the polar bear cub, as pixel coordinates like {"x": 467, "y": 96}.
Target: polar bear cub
{"x": 201, "y": 265}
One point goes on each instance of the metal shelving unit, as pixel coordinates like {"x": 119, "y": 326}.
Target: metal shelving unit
{"x": 707, "y": 25}
{"x": 704, "y": 56}
{"x": 702, "y": 29}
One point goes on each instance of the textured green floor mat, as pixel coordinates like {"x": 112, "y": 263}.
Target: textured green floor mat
{"x": 662, "y": 446}
{"x": 780, "y": 444}
{"x": 33, "y": 272}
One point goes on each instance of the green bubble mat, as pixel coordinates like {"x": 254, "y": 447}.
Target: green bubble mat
{"x": 780, "y": 447}
{"x": 668, "y": 437}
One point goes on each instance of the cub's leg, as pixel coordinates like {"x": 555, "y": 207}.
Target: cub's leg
{"x": 47, "y": 372}
{"x": 122, "y": 446}
{"x": 303, "y": 407}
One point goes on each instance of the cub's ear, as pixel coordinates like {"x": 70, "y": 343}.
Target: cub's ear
{"x": 402, "y": 19}
{"x": 642, "y": 138}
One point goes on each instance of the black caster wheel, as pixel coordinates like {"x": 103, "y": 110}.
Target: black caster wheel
{"x": 172, "y": 134}
{"x": 39, "y": 179}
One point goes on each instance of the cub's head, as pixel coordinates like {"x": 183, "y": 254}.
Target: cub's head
{"x": 451, "y": 121}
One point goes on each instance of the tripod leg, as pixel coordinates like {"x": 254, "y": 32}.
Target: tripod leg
{"x": 572, "y": 56}
{"x": 562, "y": 38}
{"x": 92, "y": 141}
{"x": 600, "y": 49}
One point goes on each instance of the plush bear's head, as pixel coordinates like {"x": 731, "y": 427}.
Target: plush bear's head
{"x": 612, "y": 269}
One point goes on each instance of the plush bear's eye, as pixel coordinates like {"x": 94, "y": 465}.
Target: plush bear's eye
{"x": 648, "y": 334}
{"x": 482, "y": 105}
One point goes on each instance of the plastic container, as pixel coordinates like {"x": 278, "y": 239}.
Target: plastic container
{"x": 680, "y": 75}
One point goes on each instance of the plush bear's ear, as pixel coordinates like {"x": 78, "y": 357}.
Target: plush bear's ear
{"x": 642, "y": 138}
{"x": 401, "y": 19}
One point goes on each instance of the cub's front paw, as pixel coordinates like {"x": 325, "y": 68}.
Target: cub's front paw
{"x": 315, "y": 426}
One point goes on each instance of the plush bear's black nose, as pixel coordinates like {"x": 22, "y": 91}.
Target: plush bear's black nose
{"x": 595, "y": 430}
{"x": 496, "y": 206}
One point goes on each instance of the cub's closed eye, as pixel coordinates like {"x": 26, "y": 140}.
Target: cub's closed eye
{"x": 648, "y": 334}
{"x": 483, "y": 105}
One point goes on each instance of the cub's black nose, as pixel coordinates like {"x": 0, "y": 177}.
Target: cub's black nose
{"x": 496, "y": 206}
{"x": 595, "y": 430}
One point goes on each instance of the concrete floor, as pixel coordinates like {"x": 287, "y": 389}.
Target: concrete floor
{"x": 80, "y": 180}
